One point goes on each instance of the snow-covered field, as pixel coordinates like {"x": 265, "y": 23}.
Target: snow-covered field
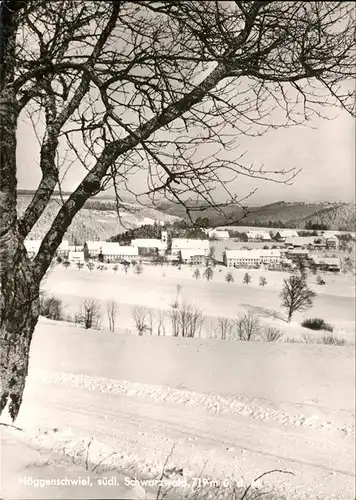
{"x": 132, "y": 406}
{"x": 156, "y": 288}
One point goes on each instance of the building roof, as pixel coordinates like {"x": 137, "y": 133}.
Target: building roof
{"x": 298, "y": 251}
{"x": 218, "y": 233}
{"x": 329, "y": 234}
{"x": 110, "y": 248}
{"x": 188, "y": 253}
{"x": 288, "y": 233}
{"x": 149, "y": 243}
{"x": 185, "y": 243}
{"x": 261, "y": 235}
{"x": 301, "y": 240}
{"x": 96, "y": 245}
{"x": 329, "y": 261}
{"x": 256, "y": 253}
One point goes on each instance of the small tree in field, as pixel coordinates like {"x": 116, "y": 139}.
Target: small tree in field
{"x": 246, "y": 278}
{"x": 90, "y": 314}
{"x": 126, "y": 266}
{"x": 115, "y": 268}
{"x": 296, "y": 295}
{"x": 263, "y": 281}
{"x": 80, "y": 265}
{"x": 208, "y": 274}
{"x": 112, "y": 310}
{"x": 225, "y": 326}
{"x": 66, "y": 264}
{"x": 140, "y": 314}
{"x": 247, "y": 326}
{"x": 90, "y": 266}
{"x": 229, "y": 278}
{"x": 138, "y": 269}
{"x": 196, "y": 274}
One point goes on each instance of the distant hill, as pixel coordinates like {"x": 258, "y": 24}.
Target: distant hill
{"x": 98, "y": 220}
{"x": 338, "y": 216}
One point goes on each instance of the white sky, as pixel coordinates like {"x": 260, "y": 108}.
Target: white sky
{"x": 326, "y": 156}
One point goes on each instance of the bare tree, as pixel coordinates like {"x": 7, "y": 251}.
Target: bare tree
{"x": 296, "y": 295}
{"x": 229, "y": 278}
{"x": 90, "y": 314}
{"x": 174, "y": 316}
{"x": 140, "y": 316}
{"x": 225, "y": 326}
{"x": 120, "y": 86}
{"x": 138, "y": 269}
{"x": 208, "y": 273}
{"x": 263, "y": 281}
{"x": 247, "y": 278}
{"x": 160, "y": 322}
{"x": 190, "y": 320}
{"x": 196, "y": 273}
{"x": 247, "y": 326}
{"x": 150, "y": 320}
{"x": 112, "y": 310}
{"x": 90, "y": 266}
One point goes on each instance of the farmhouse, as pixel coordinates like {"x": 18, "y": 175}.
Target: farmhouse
{"x": 295, "y": 253}
{"x": 327, "y": 263}
{"x": 258, "y": 236}
{"x": 195, "y": 257}
{"x": 283, "y": 234}
{"x": 251, "y": 258}
{"x": 113, "y": 252}
{"x": 219, "y": 234}
{"x": 93, "y": 248}
{"x": 332, "y": 241}
{"x": 32, "y": 247}
{"x": 179, "y": 244}
{"x": 300, "y": 242}
{"x": 151, "y": 245}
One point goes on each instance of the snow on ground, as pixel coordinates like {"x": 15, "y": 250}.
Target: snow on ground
{"x": 157, "y": 288}
{"x": 229, "y": 411}
{"x": 28, "y": 472}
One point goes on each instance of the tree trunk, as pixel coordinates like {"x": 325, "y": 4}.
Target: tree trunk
{"x": 19, "y": 316}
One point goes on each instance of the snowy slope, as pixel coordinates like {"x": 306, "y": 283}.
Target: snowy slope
{"x": 231, "y": 409}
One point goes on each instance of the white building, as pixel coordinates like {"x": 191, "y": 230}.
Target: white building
{"x": 179, "y": 244}
{"x": 283, "y": 234}
{"x": 300, "y": 241}
{"x": 32, "y": 247}
{"x": 332, "y": 241}
{"x": 113, "y": 252}
{"x": 191, "y": 256}
{"x": 93, "y": 248}
{"x": 75, "y": 257}
{"x": 328, "y": 263}
{"x": 258, "y": 236}
{"x": 152, "y": 244}
{"x": 251, "y": 258}
{"x": 219, "y": 234}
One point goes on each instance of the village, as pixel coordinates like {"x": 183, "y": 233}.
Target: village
{"x": 282, "y": 249}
